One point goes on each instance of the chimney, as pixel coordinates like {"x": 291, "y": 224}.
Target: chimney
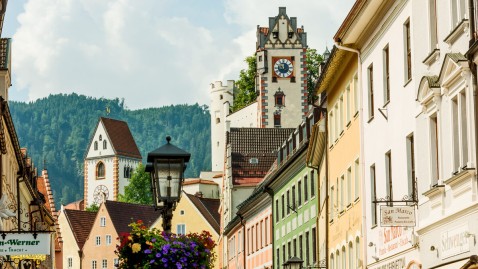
{"x": 198, "y": 194}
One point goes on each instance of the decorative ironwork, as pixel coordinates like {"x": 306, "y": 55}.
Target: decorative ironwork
{"x": 411, "y": 198}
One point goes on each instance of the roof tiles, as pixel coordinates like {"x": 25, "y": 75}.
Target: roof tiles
{"x": 208, "y": 208}
{"x": 121, "y": 138}
{"x": 135, "y": 212}
{"x": 81, "y": 223}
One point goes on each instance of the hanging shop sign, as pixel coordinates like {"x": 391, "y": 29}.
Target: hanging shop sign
{"x": 24, "y": 244}
{"x": 398, "y": 216}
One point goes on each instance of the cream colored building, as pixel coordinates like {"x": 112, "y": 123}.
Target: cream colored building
{"x": 339, "y": 90}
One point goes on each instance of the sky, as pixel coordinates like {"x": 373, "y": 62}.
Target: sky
{"x": 150, "y": 52}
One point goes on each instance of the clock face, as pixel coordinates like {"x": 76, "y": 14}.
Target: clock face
{"x": 100, "y": 194}
{"x": 283, "y": 68}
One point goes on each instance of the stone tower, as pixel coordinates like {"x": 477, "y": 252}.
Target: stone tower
{"x": 221, "y": 99}
{"x": 282, "y": 72}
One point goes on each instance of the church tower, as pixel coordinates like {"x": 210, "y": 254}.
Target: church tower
{"x": 110, "y": 160}
{"x": 222, "y": 97}
{"x": 282, "y": 72}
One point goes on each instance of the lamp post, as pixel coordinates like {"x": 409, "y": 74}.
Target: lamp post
{"x": 166, "y": 165}
{"x": 293, "y": 263}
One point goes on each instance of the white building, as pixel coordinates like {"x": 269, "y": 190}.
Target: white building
{"x": 445, "y": 134}
{"x": 380, "y": 34}
{"x": 110, "y": 160}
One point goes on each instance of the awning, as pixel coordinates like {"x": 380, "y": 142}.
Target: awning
{"x": 465, "y": 263}
{"x": 317, "y": 145}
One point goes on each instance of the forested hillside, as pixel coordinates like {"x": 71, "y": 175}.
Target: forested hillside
{"x": 56, "y": 131}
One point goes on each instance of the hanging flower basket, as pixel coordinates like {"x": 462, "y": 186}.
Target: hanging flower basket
{"x": 144, "y": 248}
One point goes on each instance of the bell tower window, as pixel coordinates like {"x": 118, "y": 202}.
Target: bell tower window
{"x": 277, "y": 119}
{"x": 279, "y": 98}
{"x": 96, "y": 145}
{"x": 100, "y": 170}
{"x": 105, "y": 144}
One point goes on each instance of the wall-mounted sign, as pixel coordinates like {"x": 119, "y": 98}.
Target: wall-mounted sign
{"x": 403, "y": 216}
{"x": 393, "y": 240}
{"x": 25, "y": 244}
{"x": 454, "y": 241}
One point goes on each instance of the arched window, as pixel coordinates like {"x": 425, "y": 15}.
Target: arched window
{"x": 96, "y": 145}
{"x": 344, "y": 263}
{"x": 100, "y": 170}
{"x": 337, "y": 260}
{"x": 357, "y": 248}
{"x": 104, "y": 144}
{"x": 101, "y": 137}
{"x": 125, "y": 175}
{"x": 332, "y": 265}
{"x": 351, "y": 255}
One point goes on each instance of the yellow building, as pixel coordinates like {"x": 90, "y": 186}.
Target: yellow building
{"x": 339, "y": 90}
{"x": 194, "y": 214}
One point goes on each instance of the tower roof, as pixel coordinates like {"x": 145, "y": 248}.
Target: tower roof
{"x": 121, "y": 138}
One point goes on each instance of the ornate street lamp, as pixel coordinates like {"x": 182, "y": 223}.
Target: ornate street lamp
{"x": 293, "y": 263}
{"x": 166, "y": 166}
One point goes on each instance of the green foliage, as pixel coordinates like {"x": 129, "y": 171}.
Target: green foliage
{"x": 246, "y": 89}
{"x": 313, "y": 61}
{"x": 57, "y": 129}
{"x": 138, "y": 190}
{"x": 93, "y": 208}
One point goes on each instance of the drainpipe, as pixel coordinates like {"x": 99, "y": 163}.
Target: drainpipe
{"x": 243, "y": 239}
{"x": 20, "y": 175}
{"x": 362, "y": 152}
{"x": 473, "y": 71}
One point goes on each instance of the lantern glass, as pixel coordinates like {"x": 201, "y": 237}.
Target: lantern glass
{"x": 169, "y": 176}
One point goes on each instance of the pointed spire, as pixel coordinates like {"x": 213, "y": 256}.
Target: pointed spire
{"x": 326, "y": 54}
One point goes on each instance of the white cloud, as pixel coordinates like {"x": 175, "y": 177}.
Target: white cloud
{"x": 150, "y": 52}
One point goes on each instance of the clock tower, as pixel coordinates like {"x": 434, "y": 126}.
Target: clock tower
{"x": 111, "y": 158}
{"x": 281, "y": 72}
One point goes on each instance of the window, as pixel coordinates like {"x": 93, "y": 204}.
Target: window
{"x": 108, "y": 240}
{"x": 342, "y": 193}
{"x": 70, "y": 262}
{"x": 100, "y": 138}
{"x": 351, "y": 255}
{"x": 344, "y": 263}
{"x": 96, "y": 145}
{"x": 93, "y": 264}
{"x": 432, "y": 15}
{"x": 411, "y": 166}
{"x": 278, "y": 257}
{"x": 307, "y": 249}
{"x": 371, "y": 107}
{"x": 181, "y": 229}
{"x": 277, "y": 211}
{"x": 314, "y": 246}
{"x": 299, "y": 193}
{"x": 102, "y": 222}
{"x": 98, "y": 240}
{"x": 349, "y": 186}
{"x": 373, "y": 194}
{"x": 283, "y": 254}
{"x": 331, "y": 203}
{"x": 357, "y": 248}
{"x": 300, "y": 247}
{"x": 239, "y": 241}
{"x": 258, "y": 238}
{"x": 332, "y": 264}
{"x": 434, "y": 149}
{"x": 331, "y": 128}
{"x": 283, "y": 206}
{"x": 337, "y": 259}
{"x": 266, "y": 234}
{"x": 337, "y": 121}
{"x": 388, "y": 175}
{"x": 408, "y": 51}
{"x": 312, "y": 183}
{"x": 116, "y": 262}
{"x": 347, "y": 92}
{"x": 386, "y": 76}
{"x": 277, "y": 120}
{"x": 279, "y": 98}
{"x": 341, "y": 112}
{"x": 356, "y": 94}
{"x": 459, "y": 129}
{"x": 104, "y": 263}
{"x": 288, "y": 202}
{"x": 294, "y": 243}
{"x": 275, "y": 34}
{"x": 289, "y": 249}
{"x": 293, "y": 197}
{"x": 306, "y": 189}
{"x": 357, "y": 179}
{"x": 457, "y": 12}
{"x": 100, "y": 170}
{"x": 105, "y": 144}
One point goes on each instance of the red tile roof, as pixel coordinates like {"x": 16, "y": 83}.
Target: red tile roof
{"x": 121, "y": 138}
{"x": 122, "y": 214}
{"x": 253, "y": 151}
{"x": 77, "y": 205}
{"x": 199, "y": 181}
{"x": 209, "y": 209}
{"x": 81, "y": 223}
{"x": 43, "y": 186}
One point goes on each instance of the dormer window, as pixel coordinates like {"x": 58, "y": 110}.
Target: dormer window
{"x": 275, "y": 34}
{"x": 101, "y": 138}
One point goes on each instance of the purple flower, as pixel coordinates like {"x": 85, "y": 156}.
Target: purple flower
{"x": 147, "y": 251}
{"x": 179, "y": 266}
{"x": 151, "y": 261}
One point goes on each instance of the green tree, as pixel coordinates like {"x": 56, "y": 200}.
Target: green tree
{"x": 138, "y": 190}
{"x": 93, "y": 208}
{"x": 246, "y": 85}
{"x": 313, "y": 61}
